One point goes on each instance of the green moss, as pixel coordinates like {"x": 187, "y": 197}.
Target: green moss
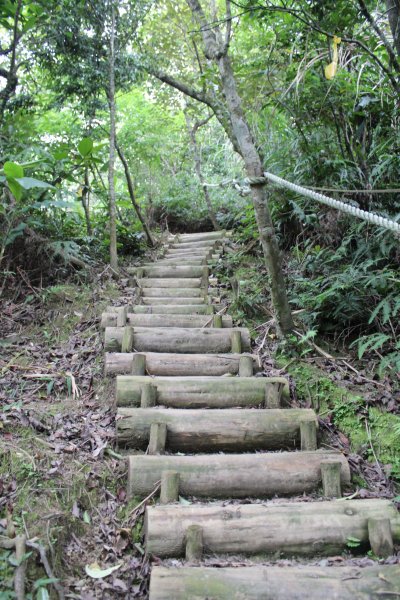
{"x": 349, "y": 414}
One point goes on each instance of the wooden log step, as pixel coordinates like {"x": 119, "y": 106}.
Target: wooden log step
{"x": 172, "y": 292}
{"x": 165, "y": 320}
{"x": 275, "y": 583}
{"x": 174, "y": 272}
{"x": 176, "y": 339}
{"x": 157, "y": 363}
{"x": 303, "y": 528}
{"x": 202, "y": 392}
{"x": 225, "y": 430}
{"x": 234, "y": 475}
{"x": 194, "y": 244}
{"x": 177, "y": 309}
{"x": 209, "y": 235}
{"x": 173, "y": 300}
{"x": 168, "y": 282}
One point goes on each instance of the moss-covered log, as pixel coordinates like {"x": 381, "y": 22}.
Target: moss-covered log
{"x": 169, "y": 282}
{"x": 166, "y": 320}
{"x": 171, "y": 309}
{"x": 275, "y": 583}
{"x": 176, "y": 339}
{"x": 203, "y": 392}
{"x": 202, "y": 430}
{"x": 152, "y": 292}
{"x": 176, "y": 365}
{"x": 234, "y": 475}
{"x": 307, "y": 528}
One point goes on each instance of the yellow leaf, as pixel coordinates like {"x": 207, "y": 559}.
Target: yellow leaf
{"x": 330, "y": 70}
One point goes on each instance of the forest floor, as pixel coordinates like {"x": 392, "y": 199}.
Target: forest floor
{"x": 62, "y": 482}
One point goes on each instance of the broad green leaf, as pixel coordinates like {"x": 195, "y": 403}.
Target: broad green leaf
{"x": 30, "y": 182}
{"x": 15, "y": 188}
{"x": 44, "y": 581}
{"x": 13, "y": 170}
{"x": 85, "y": 146}
{"x": 96, "y": 572}
{"x": 42, "y": 594}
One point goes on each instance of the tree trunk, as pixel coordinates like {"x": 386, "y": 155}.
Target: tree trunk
{"x": 131, "y": 191}
{"x": 253, "y": 165}
{"x": 197, "y": 167}
{"x": 85, "y": 202}
{"x": 111, "y": 167}
{"x": 393, "y": 12}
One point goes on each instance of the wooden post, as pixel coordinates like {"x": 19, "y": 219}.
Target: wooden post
{"x": 194, "y": 543}
{"x": 138, "y": 364}
{"x": 380, "y": 537}
{"x": 217, "y": 321}
{"x": 169, "y": 487}
{"x": 158, "y": 438}
{"x": 122, "y": 314}
{"x": 127, "y": 339}
{"x": 330, "y": 471}
{"x": 148, "y": 396}
{"x": 245, "y": 366}
{"x": 209, "y": 310}
{"x": 236, "y": 342}
{"x": 273, "y": 393}
{"x": 204, "y": 278}
{"x": 308, "y": 435}
{"x": 139, "y": 272}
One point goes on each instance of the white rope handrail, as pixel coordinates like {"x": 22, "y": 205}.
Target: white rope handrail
{"x": 347, "y": 208}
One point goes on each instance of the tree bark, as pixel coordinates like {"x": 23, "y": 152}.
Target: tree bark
{"x": 111, "y": 166}
{"x": 10, "y": 74}
{"x": 218, "y": 52}
{"x": 131, "y": 191}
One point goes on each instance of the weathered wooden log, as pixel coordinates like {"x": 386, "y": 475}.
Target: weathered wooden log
{"x": 202, "y": 392}
{"x": 174, "y": 272}
{"x": 177, "y": 262}
{"x": 274, "y": 583}
{"x": 176, "y": 339}
{"x": 234, "y": 475}
{"x": 193, "y": 244}
{"x": 166, "y": 320}
{"x": 294, "y": 528}
{"x": 165, "y": 300}
{"x": 182, "y": 309}
{"x": 188, "y": 254}
{"x": 202, "y": 430}
{"x": 150, "y": 292}
{"x": 210, "y": 235}
{"x": 158, "y": 363}
{"x": 169, "y": 282}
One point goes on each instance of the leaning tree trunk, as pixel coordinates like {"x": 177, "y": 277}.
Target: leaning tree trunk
{"x": 111, "y": 167}
{"x": 218, "y": 52}
{"x": 199, "y": 173}
{"x": 131, "y": 191}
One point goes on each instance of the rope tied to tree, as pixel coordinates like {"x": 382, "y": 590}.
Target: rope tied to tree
{"x": 331, "y": 202}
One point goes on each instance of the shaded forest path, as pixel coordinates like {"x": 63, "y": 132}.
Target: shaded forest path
{"x": 202, "y": 423}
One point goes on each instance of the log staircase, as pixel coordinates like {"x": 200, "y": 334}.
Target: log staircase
{"x": 203, "y": 425}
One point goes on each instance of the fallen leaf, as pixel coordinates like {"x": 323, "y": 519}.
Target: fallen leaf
{"x": 96, "y": 572}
